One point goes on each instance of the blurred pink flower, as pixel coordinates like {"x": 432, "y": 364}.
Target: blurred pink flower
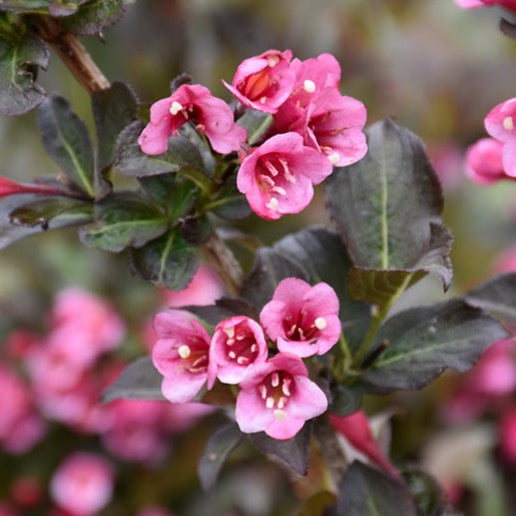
{"x": 237, "y": 344}
{"x": 484, "y": 161}
{"x": 263, "y": 82}
{"x": 470, "y": 4}
{"x": 506, "y": 261}
{"x": 27, "y": 491}
{"x": 211, "y": 115}
{"x": 447, "y": 159}
{"x": 82, "y": 484}
{"x": 507, "y": 433}
{"x": 278, "y": 177}
{"x": 7, "y": 509}
{"x": 180, "y": 354}
{"x": 302, "y": 319}
{"x": 277, "y": 397}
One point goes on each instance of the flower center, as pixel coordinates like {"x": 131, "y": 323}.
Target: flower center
{"x": 193, "y": 358}
{"x": 273, "y": 174}
{"x": 240, "y": 345}
{"x": 301, "y": 327}
{"x": 276, "y": 390}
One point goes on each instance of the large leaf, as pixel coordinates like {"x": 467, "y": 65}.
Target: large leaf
{"x": 123, "y": 220}
{"x": 66, "y": 139}
{"x": 169, "y": 261}
{"x": 140, "y": 380}
{"x": 387, "y": 207}
{"x": 94, "y": 16}
{"x": 422, "y": 342}
{"x": 19, "y": 63}
{"x": 218, "y": 447}
{"x": 365, "y": 491}
{"x": 113, "y": 109}
{"x": 497, "y": 296}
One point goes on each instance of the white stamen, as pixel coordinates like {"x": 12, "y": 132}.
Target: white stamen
{"x": 309, "y": 86}
{"x": 280, "y": 415}
{"x": 200, "y": 360}
{"x": 273, "y": 61}
{"x": 320, "y": 323}
{"x": 268, "y": 179}
{"x": 242, "y": 360}
{"x": 175, "y": 108}
{"x": 286, "y": 171}
{"x": 232, "y": 354}
{"x": 184, "y": 351}
{"x": 285, "y": 387}
{"x": 281, "y": 402}
{"x": 279, "y": 190}
{"x": 240, "y": 336}
{"x": 508, "y": 123}
{"x": 263, "y": 391}
{"x": 263, "y": 100}
{"x": 230, "y": 331}
{"x": 230, "y": 342}
{"x": 254, "y": 347}
{"x": 271, "y": 168}
{"x": 334, "y": 158}
{"x": 269, "y": 402}
{"x": 275, "y": 379}
{"x": 273, "y": 204}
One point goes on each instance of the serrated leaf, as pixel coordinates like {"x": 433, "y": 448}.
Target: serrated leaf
{"x": 134, "y": 163}
{"x": 269, "y": 268}
{"x": 497, "y": 296}
{"x": 19, "y": 63}
{"x": 365, "y": 491}
{"x": 422, "y": 342}
{"x": 123, "y": 220}
{"x": 387, "y": 207}
{"x": 256, "y": 123}
{"x": 113, "y": 109}
{"x": 168, "y": 261}
{"x": 140, "y": 380}
{"x": 293, "y": 453}
{"x": 217, "y": 449}
{"x": 94, "y": 16}
{"x": 66, "y": 140}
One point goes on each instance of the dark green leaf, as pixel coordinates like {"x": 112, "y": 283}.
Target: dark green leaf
{"x": 224, "y": 308}
{"x": 134, "y": 163}
{"x": 229, "y": 203}
{"x": 387, "y": 207}
{"x": 113, "y": 109}
{"x": 365, "y": 491}
{"x": 317, "y": 504}
{"x": 19, "y": 63}
{"x": 293, "y": 452}
{"x": 66, "y": 140}
{"x": 123, "y": 220}
{"x": 256, "y": 123}
{"x": 497, "y": 296}
{"x": 23, "y": 5}
{"x": 423, "y": 341}
{"x": 218, "y": 447}
{"x": 169, "y": 261}
{"x": 346, "y": 399}
{"x": 140, "y": 380}
{"x": 269, "y": 268}
{"x": 94, "y": 16}
{"x": 196, "y": 230}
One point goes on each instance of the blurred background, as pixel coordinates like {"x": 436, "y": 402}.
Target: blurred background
{"x": 430, "y": 66}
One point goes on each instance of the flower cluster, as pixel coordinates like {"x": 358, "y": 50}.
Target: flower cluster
{"x": 276, "y": 394}
{"x": 313, "y": 128}
{"x": 492, "y": 159}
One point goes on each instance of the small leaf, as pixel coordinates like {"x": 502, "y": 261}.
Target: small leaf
{"x": 497, "y": 296}
{"x": 365, "y": 491}
{"x": 229, "y": 203}
{"x": 256, "y": 123}
{"x": 134, "y": 163}
{"x": 94, "y": 16}
{"x": 113, "y": 109}
{"x": 140, "y": 380}
{"x": 218, "y": 447}
{"x": 123, "y": 220}
{"x": 293, "y": 453}
{"x": 346, "y": 399}
{"x": 19, "y": 63}
{"x": 423, "y": 341}
{"x": 66, "y": 140}
{"x": 372, "y": 201}
{"x": 168, "y": 261}
{"x": 269, "y": 268}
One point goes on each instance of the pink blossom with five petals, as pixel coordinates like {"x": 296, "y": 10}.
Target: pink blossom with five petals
{"x": 211, "y": 116}
{"x": 302, "y": 319}
{"x": 277, "y": 397}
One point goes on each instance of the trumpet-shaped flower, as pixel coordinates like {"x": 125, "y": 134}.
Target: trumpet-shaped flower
{"x": 277, "y": 397}
{"x": 237, "y": 344}
{"x": 180, "y": 354}
{"x": 192, "y": 102}
{"x": 302, "y": 319}
{"x": 278, "y": 177}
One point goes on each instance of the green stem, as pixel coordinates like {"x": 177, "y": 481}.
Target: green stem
{"x": 206, "y": 185}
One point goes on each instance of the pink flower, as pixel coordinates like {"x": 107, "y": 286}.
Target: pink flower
{"x": 82, "y": 484}
{"x": 470, "y": 4}
{"x": 211, "y": 116}
{"x": 263, "y": 82}
{"x": 277, "y": 397}
{"x": 180, "y": 354}
{"x": 278, "y": 177}
{"x": 506, "y": 261}
{"x": 237, "y": 344}
{"x": 507, "y": 431}
{"x": 484, "y": 161}
{"x": 302, "y": 319}
{"x": 500, "y": 123}
{"x": 9, "y": 187}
